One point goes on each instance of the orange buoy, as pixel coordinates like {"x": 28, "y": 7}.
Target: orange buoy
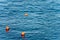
{"x": 26, "y": 14}
{"x": 23, "y": 34}
{"x": 7, "y": 28}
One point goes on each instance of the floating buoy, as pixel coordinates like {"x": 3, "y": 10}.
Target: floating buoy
{"x": 23, "y": 34}
{"x": 7, "y": 28}
{"x": 26, "y": 14}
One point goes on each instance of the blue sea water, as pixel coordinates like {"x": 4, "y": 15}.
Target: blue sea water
{"x": 42, "y": 22}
